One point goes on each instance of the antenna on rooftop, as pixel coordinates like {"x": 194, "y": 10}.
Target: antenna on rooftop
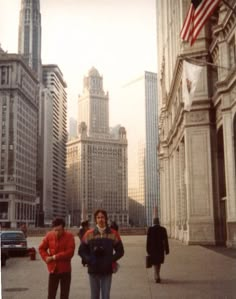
{"x": 132, "y": 81}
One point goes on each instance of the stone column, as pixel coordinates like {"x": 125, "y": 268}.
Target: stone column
{"x": 165, "y": 194}
{"x": 177, "y": 193}
{"x": 230, "y": 176}
{"x": 172, "y": 196}
{"x": 199, "y": 189}
{"x": 11, "y": 211}
{"x": 182, "y": 190}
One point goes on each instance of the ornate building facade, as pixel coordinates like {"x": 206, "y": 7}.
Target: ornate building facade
{"x": 197, "y": 149}
{"x": 97, "y": 159}
{"x": 18, "y": 141}
{"x": 52, "y": 136}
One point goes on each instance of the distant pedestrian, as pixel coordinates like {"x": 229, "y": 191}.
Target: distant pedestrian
{"x": 157, "y": 246}
{"x": 24, "y": 229}
{"x": 114, "y": 225}
{"x": 57, "y": 249}
{"x": 84, "y": 226}
{"x": 101, "y": 247}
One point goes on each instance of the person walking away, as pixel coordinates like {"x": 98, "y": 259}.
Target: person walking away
{"x": 57, "y": 249}
{"x": 24, "y": 229}
{"x": 100, "y": 248}
{"x": 157, "y": 246}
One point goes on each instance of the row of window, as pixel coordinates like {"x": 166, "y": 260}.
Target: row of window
{"x": 4, "y": 75}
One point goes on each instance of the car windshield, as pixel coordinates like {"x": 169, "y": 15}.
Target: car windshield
{"x": 12, "y": 236}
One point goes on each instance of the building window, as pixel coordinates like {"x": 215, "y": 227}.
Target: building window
{"x": 232, "y": 53}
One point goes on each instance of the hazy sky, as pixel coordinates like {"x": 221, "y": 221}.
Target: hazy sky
{"x": 118, "y": 37}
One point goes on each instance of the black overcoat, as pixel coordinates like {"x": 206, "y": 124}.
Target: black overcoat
{"x": 157, "y": 244}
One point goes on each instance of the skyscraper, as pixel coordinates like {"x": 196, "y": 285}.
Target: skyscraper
{"x": 54, "y": 82}
{"x": 151, "y": 162}
{"x": 18, "y": 141}
{"x": 94, "y": 105}
{"x": 97, "y": 159}
{"x": 72, "y": 128}
{"x": 142, "y": 150}
{"x": 51, "y": 118}
{"x": 29, "y": 38}
{"x": 45, "y": 159}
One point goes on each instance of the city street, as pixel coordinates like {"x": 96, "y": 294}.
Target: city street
{"x": 188, "y": 272}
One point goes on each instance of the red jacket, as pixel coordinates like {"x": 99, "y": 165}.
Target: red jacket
{"x": 63, "y": 249}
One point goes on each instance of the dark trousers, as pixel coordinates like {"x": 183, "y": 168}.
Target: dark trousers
{"x": 157, "y": 269}
{"x": 54, "y": 279}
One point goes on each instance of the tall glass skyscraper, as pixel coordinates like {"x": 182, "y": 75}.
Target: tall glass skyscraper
{"x": 142, "y": 150}
{"x": 151, "y": 162}
{"x": 54, "y": 82}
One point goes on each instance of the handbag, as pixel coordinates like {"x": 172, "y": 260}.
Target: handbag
{"x": 148, "y": 261}
{"x": 115, "y": 267}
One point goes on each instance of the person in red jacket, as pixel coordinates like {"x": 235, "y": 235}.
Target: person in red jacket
{"x": 57, "y": 249}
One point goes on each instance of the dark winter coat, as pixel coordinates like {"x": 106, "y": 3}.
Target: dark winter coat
{"x": 100, "y": 252}
{"x": 157, "y": 244}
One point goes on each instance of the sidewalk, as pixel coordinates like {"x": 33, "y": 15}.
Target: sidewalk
{"x": 189, "y": 272}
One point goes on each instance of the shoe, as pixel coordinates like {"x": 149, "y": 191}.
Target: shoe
{"x": 158, "y": 280}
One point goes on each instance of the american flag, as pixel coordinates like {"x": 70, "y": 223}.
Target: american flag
{"x": 198, "y": 13}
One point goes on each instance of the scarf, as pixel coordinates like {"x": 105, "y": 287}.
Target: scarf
{"x": 101, "y": 229}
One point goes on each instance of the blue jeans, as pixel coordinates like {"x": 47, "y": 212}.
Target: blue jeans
{"x": 99, "y": 282}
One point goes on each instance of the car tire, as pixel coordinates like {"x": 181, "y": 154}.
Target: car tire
{"x": 3, "y": 262}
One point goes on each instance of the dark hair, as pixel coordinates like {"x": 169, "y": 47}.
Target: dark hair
{"x": 100, "y": 211}
{"x": 84, "y": 223}
{"x": 57, "y": 222}
{"x": 114, "y": 225}
{"x": 156, "y": 221}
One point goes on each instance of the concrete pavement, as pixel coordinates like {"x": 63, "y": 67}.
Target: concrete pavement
{"x": 189, "y": 272}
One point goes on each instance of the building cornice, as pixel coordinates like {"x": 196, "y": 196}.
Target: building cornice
{"x": 227, "y": 25}
{"x": 18, "y": 58}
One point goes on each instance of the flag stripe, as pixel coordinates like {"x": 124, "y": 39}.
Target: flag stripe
{"x": 202, "y": 14}
{"x": 196, "y": 18}
{"x": 199, "y": 18}
{"x": 187, "y": 22}
{"x": 205, "y": 14}
{"x": 190, "y": 25}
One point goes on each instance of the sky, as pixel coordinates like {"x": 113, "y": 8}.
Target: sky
{"x": 117, "y": 37}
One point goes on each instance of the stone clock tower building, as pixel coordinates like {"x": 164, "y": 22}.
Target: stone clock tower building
{"x": 97, "y": 159}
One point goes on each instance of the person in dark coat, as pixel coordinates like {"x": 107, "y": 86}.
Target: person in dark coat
{"x": 114, "y": 225}
{"x": 157, "y": 246}
{"x": 101, "y": 248}
{"x": 84, "y": 226}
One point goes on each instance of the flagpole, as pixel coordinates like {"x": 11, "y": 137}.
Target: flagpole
{"x": 229, "y": 6}
{"x": 204, "y": 63}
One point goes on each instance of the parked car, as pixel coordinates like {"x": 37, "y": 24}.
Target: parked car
{"x": 14, "y": 242}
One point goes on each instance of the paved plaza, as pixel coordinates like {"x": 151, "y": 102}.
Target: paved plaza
{"x": 189, "y": 272}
